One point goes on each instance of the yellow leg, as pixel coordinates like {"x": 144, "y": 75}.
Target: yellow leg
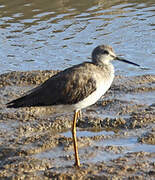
{"x": 79, "y": 114}
{"x": 77, "y": 161}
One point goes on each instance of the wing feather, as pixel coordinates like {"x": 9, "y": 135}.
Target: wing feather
{"x": 67, "y": 87}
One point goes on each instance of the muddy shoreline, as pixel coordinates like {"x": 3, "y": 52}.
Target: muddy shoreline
{"x": 116, "y": 136}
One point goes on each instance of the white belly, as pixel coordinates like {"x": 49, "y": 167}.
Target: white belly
{"x": 102, "y": 87}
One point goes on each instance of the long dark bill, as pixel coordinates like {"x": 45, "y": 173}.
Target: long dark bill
{"x": 126, "y": 61}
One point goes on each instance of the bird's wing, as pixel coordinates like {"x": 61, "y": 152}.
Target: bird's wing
{"x": 67, "y": 87}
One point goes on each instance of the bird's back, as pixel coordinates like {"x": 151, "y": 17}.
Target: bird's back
{"x": 67, "y": 87}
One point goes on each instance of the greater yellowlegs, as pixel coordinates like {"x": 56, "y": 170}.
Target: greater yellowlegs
{"x": 75, "y": 88}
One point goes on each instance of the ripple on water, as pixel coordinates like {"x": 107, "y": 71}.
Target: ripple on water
{"x": 69, "y": 31}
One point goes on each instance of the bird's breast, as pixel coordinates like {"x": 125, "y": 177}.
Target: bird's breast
{"x": 103, "y": 83}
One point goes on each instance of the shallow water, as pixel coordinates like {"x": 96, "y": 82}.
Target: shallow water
{"x": 140, "y": 98}
{"x": 128, "y": 144}
{"x": 117, "y": 147}
{"x": 57, "y": 34}
{"x": 88, "y": 133}
{"x": 116, "y": 136}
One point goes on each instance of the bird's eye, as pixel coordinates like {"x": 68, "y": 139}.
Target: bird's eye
{"x": 106, "y": 52}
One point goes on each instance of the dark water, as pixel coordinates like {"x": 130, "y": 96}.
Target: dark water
{"x": 56, "y": 34}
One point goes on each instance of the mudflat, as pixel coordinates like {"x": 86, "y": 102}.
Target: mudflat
{"x": 116, "y": 136}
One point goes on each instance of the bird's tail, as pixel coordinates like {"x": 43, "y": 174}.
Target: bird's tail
{"x": 20, "y": 102}
{"x": 29, "y": 100}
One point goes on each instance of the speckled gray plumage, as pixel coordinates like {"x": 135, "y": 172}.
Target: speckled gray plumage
{"x": 67, "y": 87}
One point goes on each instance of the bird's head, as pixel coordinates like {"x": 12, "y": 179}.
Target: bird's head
{"x": 103, "y": 54}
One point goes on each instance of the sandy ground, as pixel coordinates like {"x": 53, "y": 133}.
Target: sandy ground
{"x": 116, "y": 136}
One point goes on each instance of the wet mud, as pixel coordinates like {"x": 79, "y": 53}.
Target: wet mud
{"x": 116, "y": 136}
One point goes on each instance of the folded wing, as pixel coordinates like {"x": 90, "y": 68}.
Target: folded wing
{"x": 63, "y": 88}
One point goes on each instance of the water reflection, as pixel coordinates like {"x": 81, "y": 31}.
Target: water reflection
{"x": 56, "y": 34}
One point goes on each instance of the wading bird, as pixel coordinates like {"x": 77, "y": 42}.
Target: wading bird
{"x": 75, "y": 88}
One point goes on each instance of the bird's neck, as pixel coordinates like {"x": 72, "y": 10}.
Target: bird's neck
{"x": 102, "y": 63}
{"x": 106, "y": 67}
